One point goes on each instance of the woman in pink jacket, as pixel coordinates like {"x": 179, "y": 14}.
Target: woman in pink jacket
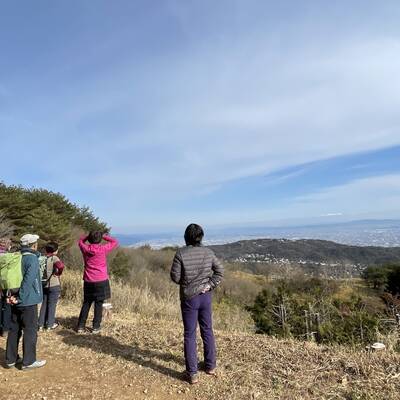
{"x": 96, "y": 286}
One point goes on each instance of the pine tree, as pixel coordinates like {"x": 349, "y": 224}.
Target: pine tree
{"x": 50, "y": 215}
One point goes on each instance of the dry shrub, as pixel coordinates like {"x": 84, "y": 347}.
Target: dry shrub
{"x": 148, "y": 259}
{"x": 240, "y": 287}
{"x": 391, "y": 339}
{"x": 147, "y": 289}
{"x": 232, "y": 318}
{"x": 124, "y": 297}
{"x": 163, "y": 304}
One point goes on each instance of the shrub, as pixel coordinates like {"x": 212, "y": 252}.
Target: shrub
{"x": 311, "y": 309}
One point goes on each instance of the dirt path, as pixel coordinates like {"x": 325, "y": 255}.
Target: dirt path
{"x": 137, "y": 358}
{"x": 91, "y": 367}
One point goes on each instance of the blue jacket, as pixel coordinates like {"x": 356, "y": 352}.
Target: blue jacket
{"x": 30, "y": 291}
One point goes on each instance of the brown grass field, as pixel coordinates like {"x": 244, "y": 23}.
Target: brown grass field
{"x": 139, "y": 355}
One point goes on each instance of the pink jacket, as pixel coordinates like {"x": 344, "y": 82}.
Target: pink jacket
{"x": 94, "y": 256}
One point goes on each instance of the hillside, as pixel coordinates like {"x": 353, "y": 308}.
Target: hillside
{"x": 311, "y": 254}
{"x": 141, "y": 358}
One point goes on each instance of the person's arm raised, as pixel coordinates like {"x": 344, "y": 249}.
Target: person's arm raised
{"x": 111, "y": 243}
{"x": 82, "y": 243}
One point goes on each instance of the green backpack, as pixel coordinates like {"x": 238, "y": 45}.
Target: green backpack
{"x": 10, "y": 271}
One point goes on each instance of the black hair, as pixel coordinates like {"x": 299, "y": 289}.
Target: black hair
{"x": 95, "y": 237}
{"x": 194, "y": 235}
{"x": 51, "y": 247}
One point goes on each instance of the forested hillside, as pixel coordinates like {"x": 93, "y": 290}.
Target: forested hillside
{"x": 48, "y": 214}
{"x": 313, "y": 255}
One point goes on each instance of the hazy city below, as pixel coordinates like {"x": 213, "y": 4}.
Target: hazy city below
{"x": 384, "y": 233}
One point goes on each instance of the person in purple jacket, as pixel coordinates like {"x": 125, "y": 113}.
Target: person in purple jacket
{"x": 96, "y": 286}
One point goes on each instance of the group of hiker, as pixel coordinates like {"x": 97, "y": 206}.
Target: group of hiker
{"x": 28, "y": 278}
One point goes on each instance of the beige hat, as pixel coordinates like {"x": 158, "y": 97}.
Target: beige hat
{"x": 28, "y": 239}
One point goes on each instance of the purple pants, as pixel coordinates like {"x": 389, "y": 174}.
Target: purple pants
{"x": 198, "y": 308}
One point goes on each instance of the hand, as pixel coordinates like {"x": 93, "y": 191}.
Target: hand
{"x": 12, "y": 300}
{"x": 206, "y": 289}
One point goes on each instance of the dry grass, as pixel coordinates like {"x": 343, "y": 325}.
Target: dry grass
{"x": 143, "y": 344}
{"x": 140, "y": 357}
{"x": 148, "y": 302}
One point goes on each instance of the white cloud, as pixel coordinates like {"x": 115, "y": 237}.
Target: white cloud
{"x": 253, "y": 120}
{"x": 378, "y": 195}
{"x": 186, "y": 120}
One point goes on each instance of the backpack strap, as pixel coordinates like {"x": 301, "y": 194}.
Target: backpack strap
{"x": 52, "y": 272}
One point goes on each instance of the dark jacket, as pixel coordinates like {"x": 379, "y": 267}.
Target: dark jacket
{"x": 196, "y": 268}
{"x": 30, "y": 291}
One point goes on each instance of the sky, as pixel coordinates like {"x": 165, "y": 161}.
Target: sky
{"x": 160, "y": 113}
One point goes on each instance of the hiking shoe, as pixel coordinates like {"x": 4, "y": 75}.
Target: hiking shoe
{"x": 80, "y": 330}
{"x": 96, "y": 330}
{"x": 212, "y": 372}
{"x": 10, "y": 365}
{"x": 192, "y": 379}
{"x": 50, "y": 328}
{"x": 36, "y": 364}
{"x": 40, "y": 329}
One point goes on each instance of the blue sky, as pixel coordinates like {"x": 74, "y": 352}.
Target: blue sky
{"x": 159, "y": 113}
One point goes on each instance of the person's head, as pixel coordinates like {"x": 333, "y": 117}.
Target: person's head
{"x": 194, "y": 235}
{"x": 51, "y": 248}
{"x": 95, "y": 237}
{"x": 5, "y": 244}
{"x": 30, "y": 240}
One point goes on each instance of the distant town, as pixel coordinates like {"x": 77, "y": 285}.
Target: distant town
{"x": 383, "y": 233}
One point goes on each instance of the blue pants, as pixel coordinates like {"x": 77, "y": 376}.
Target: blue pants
{"x": 23, "y": 320}
{"x": 48, "y": 309}
{"x": 5, "y": 314}
{"x": 198, "y": 309}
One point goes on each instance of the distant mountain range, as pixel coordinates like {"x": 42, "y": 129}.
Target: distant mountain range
{"x": 384, "y": 233}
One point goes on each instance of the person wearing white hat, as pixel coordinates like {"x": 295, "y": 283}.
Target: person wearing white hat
{"x": 24, "y": 313}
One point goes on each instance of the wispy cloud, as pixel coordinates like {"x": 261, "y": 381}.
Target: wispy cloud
{"x": 377, "y": 195}
{"x": 185, "y": 99}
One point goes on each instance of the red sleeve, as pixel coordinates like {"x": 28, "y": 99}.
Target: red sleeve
{"x": 111, "y": 243}
{"x": 59, "y": 267}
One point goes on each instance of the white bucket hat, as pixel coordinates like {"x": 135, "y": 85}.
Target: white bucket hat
{"x": 28, "y": 239}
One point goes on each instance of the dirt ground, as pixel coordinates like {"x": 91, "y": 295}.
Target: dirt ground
{"x": 136, "y": 358}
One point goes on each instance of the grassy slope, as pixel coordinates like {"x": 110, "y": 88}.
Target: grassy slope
{"x": 140, "y": 357}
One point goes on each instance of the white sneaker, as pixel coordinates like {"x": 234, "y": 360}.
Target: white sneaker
{"x": 50, "y": 328}
{"x": 36, "y": 364}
